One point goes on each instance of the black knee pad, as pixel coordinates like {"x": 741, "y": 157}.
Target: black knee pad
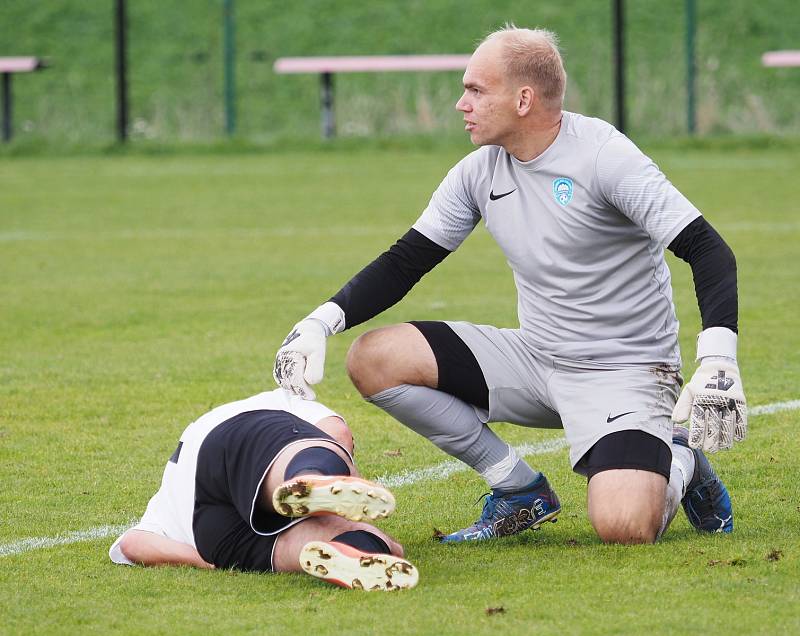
{"x": 316, "y": 459}
{"x": 363, "y": 540}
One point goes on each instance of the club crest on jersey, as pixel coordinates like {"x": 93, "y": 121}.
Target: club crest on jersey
{"x": 562, "y": 190}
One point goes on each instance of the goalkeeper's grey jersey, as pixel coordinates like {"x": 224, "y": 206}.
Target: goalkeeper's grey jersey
{"x": 583, "y": 227}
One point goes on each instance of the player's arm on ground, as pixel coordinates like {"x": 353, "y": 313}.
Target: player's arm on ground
{"x": 149, "y": 548}
{"x": 450, "y": 216}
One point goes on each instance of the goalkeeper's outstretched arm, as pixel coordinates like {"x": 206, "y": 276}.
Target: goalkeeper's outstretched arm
{"x": 300, "y": 361}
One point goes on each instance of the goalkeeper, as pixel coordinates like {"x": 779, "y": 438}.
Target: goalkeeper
{"x": 583, "y": 218}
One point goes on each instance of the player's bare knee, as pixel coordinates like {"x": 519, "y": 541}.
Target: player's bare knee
{"x": 626, "y": 531}
{"x": 387, "y": 357}
{"x": 627, "y": 506}
{"x": 359, "y": 356}
{"x": 617, "y": 522}
{"x": 395, "y": 548}
{"x": 338, "y": 429}
{"x": 364, "y": 358}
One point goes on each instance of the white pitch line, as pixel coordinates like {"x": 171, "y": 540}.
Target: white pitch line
{"x": 769, "y": 409}
{"x": 406, "y": 478}
{"x": 445, "y": 469}
{"x": 37, "y": 543}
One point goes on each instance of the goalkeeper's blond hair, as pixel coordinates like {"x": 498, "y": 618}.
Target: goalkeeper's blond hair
{"x": 531, "y": 56}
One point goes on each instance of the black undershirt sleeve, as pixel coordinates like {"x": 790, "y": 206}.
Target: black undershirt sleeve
{"x": 389, "y": 277}
{"x": 714, "y": 270}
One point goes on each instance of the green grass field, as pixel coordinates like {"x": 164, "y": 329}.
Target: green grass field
{"x": 139, "y": 291}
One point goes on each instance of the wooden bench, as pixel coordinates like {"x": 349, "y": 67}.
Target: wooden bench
{"x": 327, "y": 66}
{"x": 9, "y": 66}
{"x": 781, "y": 58}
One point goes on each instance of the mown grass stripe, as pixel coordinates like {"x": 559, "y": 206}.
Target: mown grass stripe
{"x": 406, "y": 478}
{"x": 147, "y": 234}
{"x": 171, "y": 234}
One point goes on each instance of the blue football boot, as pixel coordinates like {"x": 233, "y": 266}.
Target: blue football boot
{"x": 505, "y": 514}
{"x": 706, "y": 503}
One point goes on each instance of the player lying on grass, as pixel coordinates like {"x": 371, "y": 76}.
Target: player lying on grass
{"x": 583, "y": 218}
{"x": 269, "y": 484}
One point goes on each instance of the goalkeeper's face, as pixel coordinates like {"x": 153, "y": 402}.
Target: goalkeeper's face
{"x": 489, "y": 102}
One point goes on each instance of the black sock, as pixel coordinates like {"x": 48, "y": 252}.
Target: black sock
{"x": 316, "y": 459}
{"x": 363, "y": 540}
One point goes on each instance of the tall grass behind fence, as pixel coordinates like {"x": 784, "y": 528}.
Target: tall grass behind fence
{"x": 176, "y": 70}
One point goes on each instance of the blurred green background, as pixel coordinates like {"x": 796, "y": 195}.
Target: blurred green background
{"x": 176, "y": 66}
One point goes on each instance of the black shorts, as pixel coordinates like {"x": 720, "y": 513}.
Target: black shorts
{"x": 630, "y": 449}
{"x": 459, "y": 373}
{"x": 230, "y": 530}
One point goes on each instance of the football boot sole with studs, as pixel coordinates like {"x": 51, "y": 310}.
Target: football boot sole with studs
{"x": 349, "y": 497}
{"x": 346, "y": 566}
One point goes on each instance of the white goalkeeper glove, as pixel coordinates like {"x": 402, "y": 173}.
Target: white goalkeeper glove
{"x": 301, "y": 359}
{"x": 713, "y": 400}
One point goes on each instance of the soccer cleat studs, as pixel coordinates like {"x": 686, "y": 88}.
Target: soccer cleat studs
{"x": 346, "y": 566}
{"x": 349, "y": 497}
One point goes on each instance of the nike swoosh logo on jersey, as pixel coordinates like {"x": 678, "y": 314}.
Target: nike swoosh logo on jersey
{"x": 610, "y": 419}
{"x": 494, "y": 197}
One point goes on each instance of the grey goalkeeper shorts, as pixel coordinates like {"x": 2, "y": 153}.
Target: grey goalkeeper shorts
{"x": 588, "y": 400}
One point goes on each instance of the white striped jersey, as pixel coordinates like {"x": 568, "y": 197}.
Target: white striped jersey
{"x": 170, "y": 511}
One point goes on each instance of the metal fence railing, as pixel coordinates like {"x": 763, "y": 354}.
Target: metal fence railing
{"x": 177, "y": 83}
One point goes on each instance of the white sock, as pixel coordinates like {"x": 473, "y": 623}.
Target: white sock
{"x": 675, "y": 489}
{"x": 683, "y": 460}
{"x": 680, "y": 474}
